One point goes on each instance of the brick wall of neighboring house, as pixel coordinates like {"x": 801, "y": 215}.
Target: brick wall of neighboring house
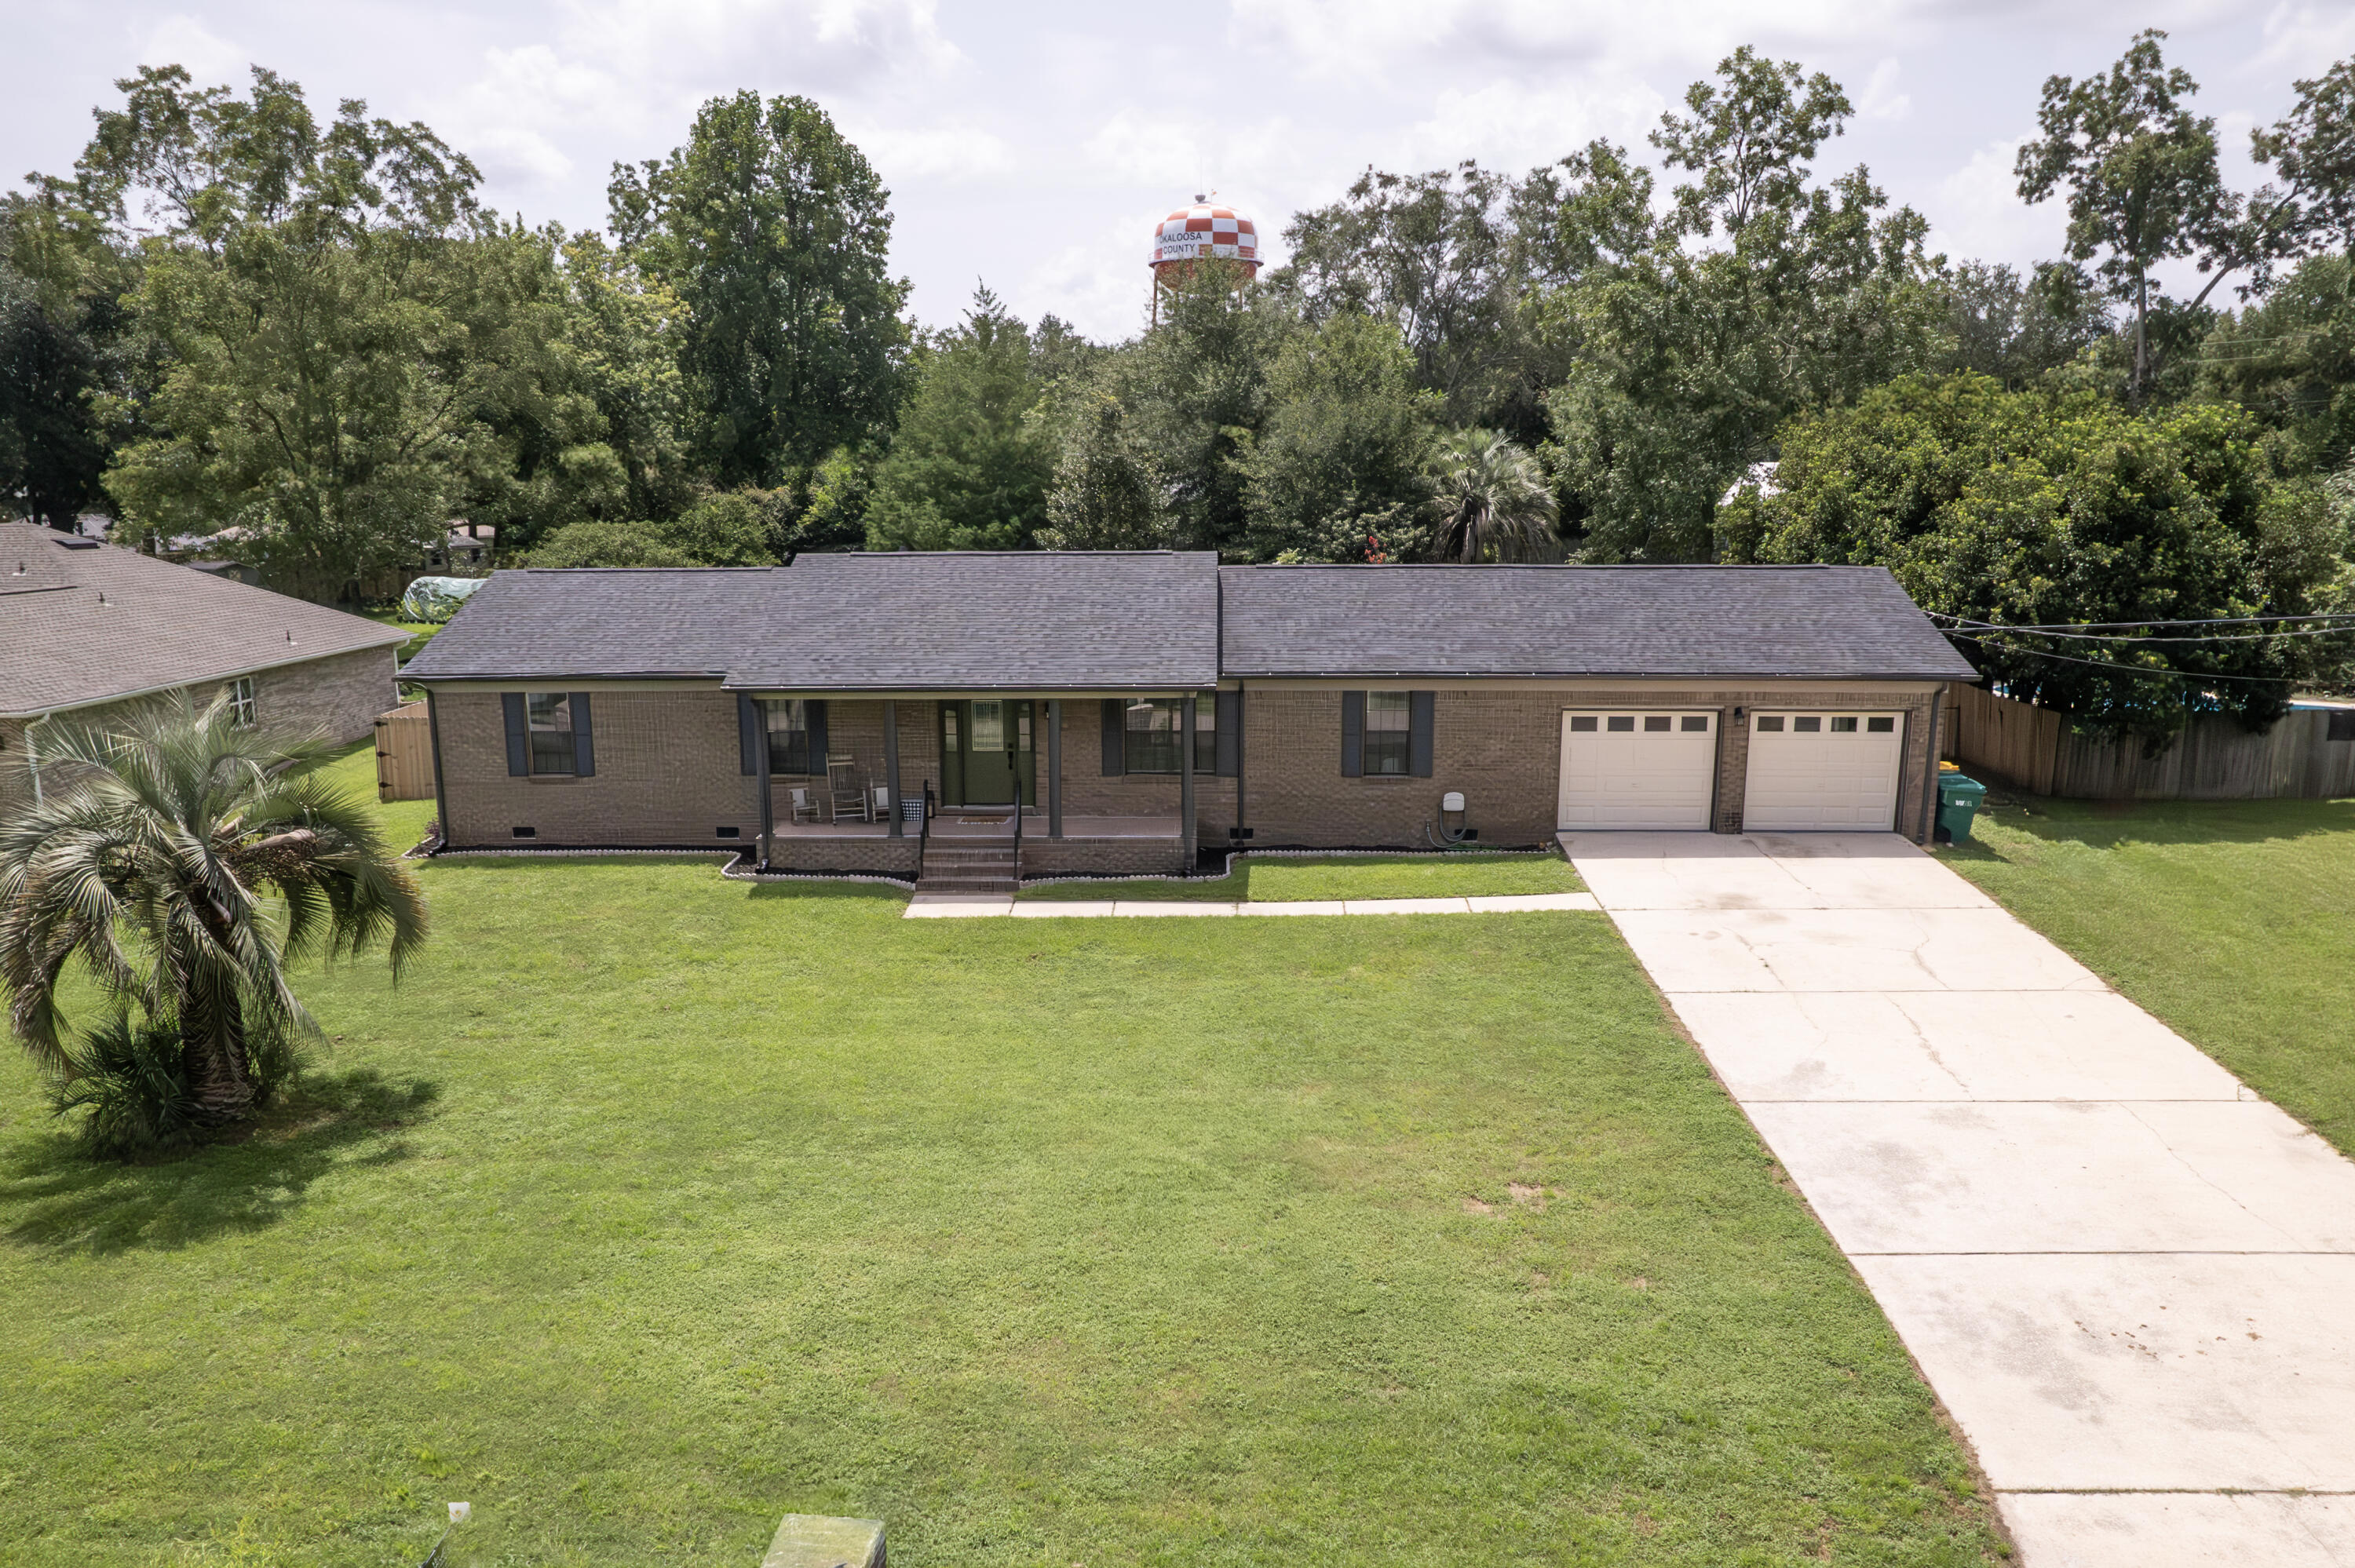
{"x": 339, "y": 696}
{"x": 1502, "y": 751}
{"x": 668, "y": 774}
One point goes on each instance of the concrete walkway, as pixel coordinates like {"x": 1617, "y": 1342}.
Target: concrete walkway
{"x": 2131, "y": 1280}
{"x": 950, "y": 906}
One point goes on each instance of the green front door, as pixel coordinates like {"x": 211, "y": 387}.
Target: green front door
{"x": 988, "y": 742}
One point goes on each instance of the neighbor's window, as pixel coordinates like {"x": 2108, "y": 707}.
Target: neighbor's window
{"x": 789, "y": 735}
{"x": 240, "y": 694}
{"x": 550, "y": 726}
{"x": 1386, "y": 733}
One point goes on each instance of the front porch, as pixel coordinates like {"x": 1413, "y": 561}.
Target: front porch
{"x": 840, "y": 777}
{"x": 1097, "y": 846}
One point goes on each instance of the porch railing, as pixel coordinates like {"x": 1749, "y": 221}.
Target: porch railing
{"x": 923, "y": 828}
{"x": 1017, "y": 833}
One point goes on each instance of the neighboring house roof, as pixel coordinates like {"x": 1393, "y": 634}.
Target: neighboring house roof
{"x": 903, "y": 621}
{"x": 82, "y": 622}
{"x": 1153, "y": 621}
{"x": 1818, "y": 622}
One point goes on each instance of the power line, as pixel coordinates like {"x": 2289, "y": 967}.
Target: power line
{"x": 2150, "y": 621}
{"x": 2122, "y": 668}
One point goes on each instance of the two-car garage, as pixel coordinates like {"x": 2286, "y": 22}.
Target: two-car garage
{"x": 1816, "y": 772}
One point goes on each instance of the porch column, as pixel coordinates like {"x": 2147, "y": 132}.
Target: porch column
{"x": 1054, "y": 768}
{"x": 892, "y": 762}
{"x": 1185, "y": 776}
{"x": 767, "y": 801}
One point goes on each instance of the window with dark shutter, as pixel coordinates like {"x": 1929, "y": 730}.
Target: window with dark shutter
{"x": 584, "y": 738}
{"x": 518, "y": 732}
{"x": 1115, "y": 738}
{"x": 1353, "y": 735}
{"x": 1420, "y": 706}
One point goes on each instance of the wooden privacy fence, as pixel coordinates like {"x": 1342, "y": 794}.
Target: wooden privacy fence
{"x": 2308, "y": 754}
{"x": 404, "y": 754}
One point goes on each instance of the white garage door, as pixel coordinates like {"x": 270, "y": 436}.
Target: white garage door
{"x": 1638, "y": 770}
{"x": 1822, "y": 771}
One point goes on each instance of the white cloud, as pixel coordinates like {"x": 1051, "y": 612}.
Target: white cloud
{"x": 1880, "y": 99}
{"x": 948, "y": 152}
{"x": 1978, "y": 213}
{"x": 2302, "y": 40}
{"x": 820, "y": 44}
{"x": 185, "y": 41}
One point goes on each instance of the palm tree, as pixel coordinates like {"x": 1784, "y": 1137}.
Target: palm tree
{"x": 1494, "y": 500}
{"x": 184, "y": 862}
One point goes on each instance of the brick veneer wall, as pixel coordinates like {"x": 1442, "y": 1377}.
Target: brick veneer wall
{"x": 338, "y": 697}
{"x": 876, "y": 856}
{"x": 667, "y": 775}
{"x": 1503, "y": 750}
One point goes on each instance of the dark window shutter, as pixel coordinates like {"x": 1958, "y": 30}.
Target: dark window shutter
{"x": 1116, "y": 754}
{"x": 1353, "y": 735}
{"x": 1419, "y": 706}
{"x": 748, "y": 735}
{"x": 814, "y": 715}
{"x": 1230, "y": 734}
{"x": 518, "y": 747}
{"x": 584, "y": 738}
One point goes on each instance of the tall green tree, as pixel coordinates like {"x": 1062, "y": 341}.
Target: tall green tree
{"x": 1192, "y": 397}
{"x": 1450, "y": 258}
{"x": 1689, "y": 355}
{"x": 340, "y": 326}
{"x": 52, "y": 444}
{"x": 2139, "y": 170}
{"x": 1339, "y": 473}
{"x": 2290, "y": 361}
{"x": 774, "y": 232}
{"x": 185, "y": 863}
{"x": 2054, "y": 507}
{"x": 970, "y": 465}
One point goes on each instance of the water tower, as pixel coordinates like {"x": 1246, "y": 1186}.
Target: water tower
{"x": 1207, "y": 233}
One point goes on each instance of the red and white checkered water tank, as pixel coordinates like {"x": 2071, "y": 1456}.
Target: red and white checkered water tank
{"x": 1203, "y": 231}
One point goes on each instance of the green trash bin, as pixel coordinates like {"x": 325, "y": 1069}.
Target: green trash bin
{"x": 1958, "y": 802}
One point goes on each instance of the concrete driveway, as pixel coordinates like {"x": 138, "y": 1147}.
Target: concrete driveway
{"x": 2131, "y": 1280}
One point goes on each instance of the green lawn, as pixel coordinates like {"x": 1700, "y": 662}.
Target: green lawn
{"x": 2234, "y": 921}
{"x": 421, "y": 632}
{"x": 655, "y": 1206}
{"x": 1287, "y": 879}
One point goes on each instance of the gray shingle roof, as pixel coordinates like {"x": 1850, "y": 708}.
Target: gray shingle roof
{"x": 1160, "y": 622}
{"x": 1836, "y": 623}
{"x": 987, "y": 621}
{"x": 901, "y": 621}
{"x": 159, "y": 626}
{"x": 605, "y": 624}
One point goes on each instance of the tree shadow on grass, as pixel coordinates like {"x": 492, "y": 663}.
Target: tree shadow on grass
{"x": 2111, "y": 824}
{"x": 54, "y": 1196}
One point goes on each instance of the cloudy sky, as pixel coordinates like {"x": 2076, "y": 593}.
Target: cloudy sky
{"x": 1033, "y": 142}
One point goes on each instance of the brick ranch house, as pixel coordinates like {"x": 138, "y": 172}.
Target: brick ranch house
{"x": 85, "y": 627}
{"x": 1143, "y": 708}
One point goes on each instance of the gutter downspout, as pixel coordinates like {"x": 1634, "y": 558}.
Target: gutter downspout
{"x": 1930, "y": 784}
{"x": 32, "y": 754}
